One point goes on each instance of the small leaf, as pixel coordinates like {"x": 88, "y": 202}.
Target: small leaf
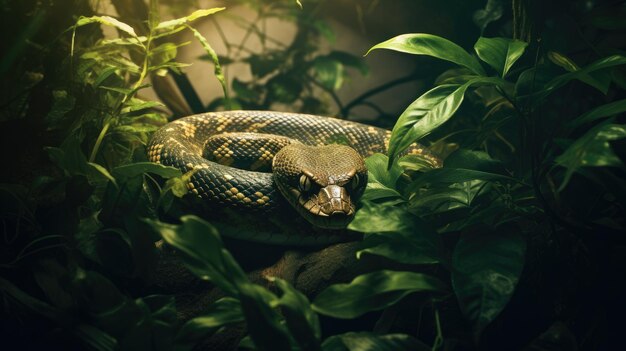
{"x": 583, "y": 74}
{"x": 303, "y": 323}
{"x": 366, "y": 341}
{"x": 492, "y": 12}
{"x": 108, "y": 21}
{"x": 500, "y": 53}
{"x": 373, "y": 291}
{"x": 264, "y": 325}
{"x": 432, "y": 45}
{"x": 328, "y": 72}
{"x": 222, "y": 312}
{"x": 592, "y": 150}
{"x": 486, "y": 269}
{"x": 138, "y": 168}
{"x": 179, "y": 22}
{"x": 599, "y": 80}
{"x": 349, "y": 60}
{"x": 219, "y": 74}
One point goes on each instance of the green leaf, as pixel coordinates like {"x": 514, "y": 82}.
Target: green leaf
{"x": 179, "y": 22}
{"x": 492, "y": 12}
{"x": 303, "y": 323}
{"x": 583, "y": 74}
{"x": 599, "y": 112}
{"x": 102, "y": 171}
{"x": 366, "y": 341}
{"x": 599, "y": 80}
{"x": 108, "y": 21}
{"x": 428, "y": 112}
{"x": 328, "y": 72}
{"x": 219, "y": 74}
{"x": 500, "y": 53}
{"x": 264, "y": 325}
{"x": 380, "y": 218}
{"x": 422, "y": 246}
{"x": 592, "y": 150}
{"x": 373, "y": 291}
{"x": 432, "y": 45}
{"x": 138, "y": 168}
{"x": 485, "y": 270}
{"x": 63, "y": 103}
{"x": 202, "y": 251}
{"x": 222, "y": 312}
{"x": 381, "y": 183}
{"x": 349, "y": 60}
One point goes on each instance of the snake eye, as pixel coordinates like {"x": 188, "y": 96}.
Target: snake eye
{"x": 355, "y": 182}
{"x": 305, "y": 183}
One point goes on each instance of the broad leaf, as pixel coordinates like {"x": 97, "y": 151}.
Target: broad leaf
{"x": 202, "y": 251}
{"x": 430, "y": 111}
{"x": 422, "y": 246}
{"x": 380, "y": 218}
{"x": 486, "y": 269}
{"x": 365, "y": 341}
{"x": 432, "y": 45}
{"x": 381, "y": 183}
{"x": 592, "y": 150}
{"x": 373, "y": 291}
{"x": 500, "y": 53}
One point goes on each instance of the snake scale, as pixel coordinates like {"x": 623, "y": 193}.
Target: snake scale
{"x": 254, "y": 160}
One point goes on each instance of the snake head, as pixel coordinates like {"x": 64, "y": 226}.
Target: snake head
{"x": 323, "y": 183}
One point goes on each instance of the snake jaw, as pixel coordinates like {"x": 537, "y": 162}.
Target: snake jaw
{"x": 330, "y": 208}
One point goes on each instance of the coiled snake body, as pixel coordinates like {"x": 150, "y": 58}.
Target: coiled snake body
{"x": 316, "y": 162}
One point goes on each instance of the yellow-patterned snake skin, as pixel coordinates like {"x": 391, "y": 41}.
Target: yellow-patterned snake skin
{"x": 254, "y": 160}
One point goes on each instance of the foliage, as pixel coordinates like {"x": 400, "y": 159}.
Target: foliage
{"x": 522, "y": 127}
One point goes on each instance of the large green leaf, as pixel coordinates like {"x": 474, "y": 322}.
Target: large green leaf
{"x": 302, "y": 321}
{"x": 202, "y": 251}
{"x": 381, "y": 182}
{"x": 486, "y": 269}
{"x": 592, "y": 150}
{"x": 599, "y": 112}
{"x": 500, "y": 53}
{"x": 396, "y": 234}
{"x": 365, "y": 341}
{"x": 380, "y": 218}
{"x": 373, "y": 291}
{"x": 429, "y": 111}
{"x": 432, "y": 45}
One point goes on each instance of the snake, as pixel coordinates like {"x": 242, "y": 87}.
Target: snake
{"x": 269, "y": 161}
